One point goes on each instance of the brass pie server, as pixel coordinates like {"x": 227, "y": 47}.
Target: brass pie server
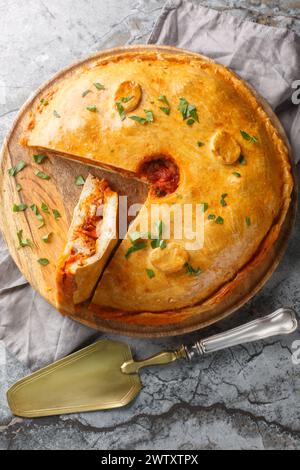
{"x": 104, "y": 375}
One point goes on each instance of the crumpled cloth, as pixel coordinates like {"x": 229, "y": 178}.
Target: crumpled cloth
{"x": 268, "y": 58}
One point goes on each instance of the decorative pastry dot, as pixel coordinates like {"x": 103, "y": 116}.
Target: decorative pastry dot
{"x": 171, "y": 259}
{"x": 128, "y": 96}
{"x": 225, "y": 148}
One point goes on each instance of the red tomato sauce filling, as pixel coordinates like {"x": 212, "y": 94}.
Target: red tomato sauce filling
{"x": 163, "y": 175}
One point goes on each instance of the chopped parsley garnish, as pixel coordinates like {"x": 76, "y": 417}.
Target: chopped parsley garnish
{"x": 19, "y": 207}
{"x": 92, "y": 109}
{"x": 138, "y": 119}
{"x": 121, "y": 111}
{"x": 86, "y": 92}
{"x": 44, "y": 102}
{"x": 99, "y": 86}
{"x": 42, "y": 175}
{"x": 139, "y": 245}
{"x": 125, "y": 99}
{"x": 248, "y": 221}
{"x": 188, "y": 111}
{"x": 43, "y": 261}
{"x": 18, "y": 187}
{"x": 150, "y": 273}
{"x": 23, "y": 241}
{"x": 237, "y": 174}
{"x": 222, "y": 200}
{"x": 149, "y": 115}
{"x": 158, "y": 242}
{"x": 204, "y": 206}
{"x": 141, "y": 120}
{"x": 55, "y": 113}
{"x": 248, "y": 137}
{"x": 46, "y": 238}
{"x": 56, "y": 214}
{"x": 39, "y": 158}
{"x": 242, "y": 160}
{"x": 211, "y": 217}
{"x": 200, "y": 144}
{"x": 219, "y": 220}
{"x": 136, "y": 235}
{"x": 16, "y": 169}
{"x": 45, "y": 208}
{"x": 190, "y": 270}
{"x": 165, "y": 109}
{"x": 79, "y": 180}
{"x": 36, "y": 211}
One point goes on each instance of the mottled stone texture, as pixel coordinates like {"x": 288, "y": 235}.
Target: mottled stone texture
{"x": 244, "y": 398}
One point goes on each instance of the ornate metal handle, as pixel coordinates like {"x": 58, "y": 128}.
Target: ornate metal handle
{"x": 281, "y": 322}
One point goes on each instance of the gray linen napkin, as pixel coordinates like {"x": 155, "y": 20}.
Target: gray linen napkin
{"x": 269, "y": 58}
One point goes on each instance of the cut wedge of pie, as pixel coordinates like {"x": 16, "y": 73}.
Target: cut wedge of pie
{"x": 91, "y": 238}
{"x": 198, "y": 135}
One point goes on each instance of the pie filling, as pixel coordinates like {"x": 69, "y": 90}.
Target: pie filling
{"x": 85, "y": 235}
{"x": 162, "y": 174}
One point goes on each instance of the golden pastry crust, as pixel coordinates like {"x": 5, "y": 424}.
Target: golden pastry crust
{"x": 257, "y": 187}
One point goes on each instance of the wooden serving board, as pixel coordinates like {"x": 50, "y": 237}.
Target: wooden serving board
{"x": 61, "y": 193}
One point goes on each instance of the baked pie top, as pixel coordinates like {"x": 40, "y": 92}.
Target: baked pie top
{"x": 197, "y": 134}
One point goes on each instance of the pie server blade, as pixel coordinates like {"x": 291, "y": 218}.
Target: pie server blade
{"x": 104, "y": 375}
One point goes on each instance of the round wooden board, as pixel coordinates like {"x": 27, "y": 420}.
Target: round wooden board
{"x": 61, "y": 193}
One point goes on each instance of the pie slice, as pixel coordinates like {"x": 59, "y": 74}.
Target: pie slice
{"x": 91, "y": 238}
{"x": 198, "y": 135}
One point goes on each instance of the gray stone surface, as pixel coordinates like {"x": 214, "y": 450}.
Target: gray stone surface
{"x": 244, "y": 398}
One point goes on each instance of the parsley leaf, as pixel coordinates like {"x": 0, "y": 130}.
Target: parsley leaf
{"x": 150, "y": 273}
{"x": 45, "y": 208}
{"x": 56, "y": 214}
{"x": 46, "y": 238}
{"x": 99, "y": 86}
{"x": 22, "y": 241}
{"x": 248, "y": 137}
{"x": 18, "y": 187}
{"x": 188, "y": 111}
{"x": 248, "y": 221}
{"x": 55, "y": 113}
{"x": 165, "y": 109}
{"x": 43, "y": 261}
{"x": 219, "y": 220}
{"x": 42, "y": 175}
{"x": 79, "y": 180}
{"x": 135, "y": 247}
{"x": 237, "y": 174}
{"x": 86, "y": 92}
{"x": 204, "y": 206}
{"x": 222, "y": 200}
{"x": 190, "y": 270}
{"x": 141, "y": 120}
{"x": 121, "y": 111}
{"x": 36, "y": 211}
{"x": 16, "y": 169}
{"x": 39, "y": 158}
{"x": 125, "y": 99}
{"x": 20, "y": 207}
{"x": 200, "y": 144}
{"x": 92, "y": 109}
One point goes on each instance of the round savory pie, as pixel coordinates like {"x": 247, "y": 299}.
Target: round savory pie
{"x": 198, "y": 135}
